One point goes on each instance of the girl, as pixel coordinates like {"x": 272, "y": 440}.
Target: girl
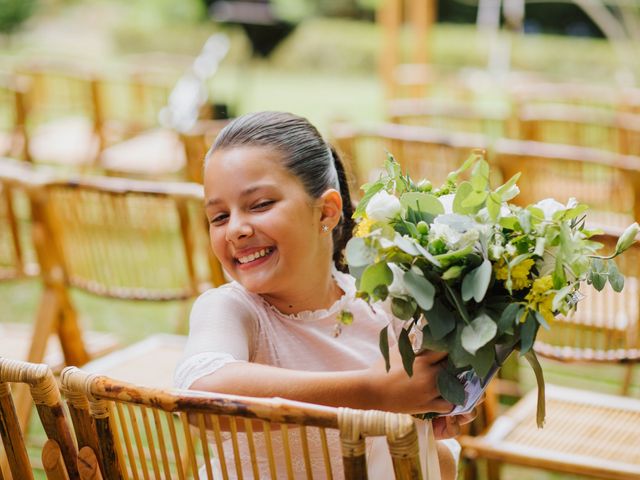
{"x": 279, "y": 209}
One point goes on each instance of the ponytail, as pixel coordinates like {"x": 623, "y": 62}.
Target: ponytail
{"x": 344, "y": 230}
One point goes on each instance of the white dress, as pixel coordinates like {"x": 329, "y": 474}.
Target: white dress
{"x": 304, "y": 341}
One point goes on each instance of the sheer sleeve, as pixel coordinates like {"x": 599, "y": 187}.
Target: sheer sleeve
{"x": 222, "y": 329}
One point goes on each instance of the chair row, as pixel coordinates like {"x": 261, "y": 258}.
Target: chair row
{"x": 123, "y": 430}
{"x": 608, "y": 182}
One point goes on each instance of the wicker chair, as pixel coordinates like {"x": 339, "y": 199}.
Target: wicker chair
{"x": 586, "y": 433}
{"x": 13, "y": 93}
{"x": 145, "y": 432}
{"x": 605, "y": 181}
{"x": 59, "y": 453}
{"x": 422, "y": 152}
{"x": 197, "y": 142}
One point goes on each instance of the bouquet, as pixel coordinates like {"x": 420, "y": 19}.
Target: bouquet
{"x": 476, "y": 274}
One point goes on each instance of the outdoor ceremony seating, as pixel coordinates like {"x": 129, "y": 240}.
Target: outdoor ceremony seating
{"x": 607, "y": 182}
{"x": 145, "y": 432}
{"x": 422, "y": 152}
{"x": 59, "y": 455}
{"x": 586, "y": 432}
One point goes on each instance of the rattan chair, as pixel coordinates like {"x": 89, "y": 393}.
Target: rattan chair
{"x": 423, "y": 152}
{"x": 144, "y": 432}
{"x": 13, "y": 92}
{"x": 59, "y": 455}
{"x": 197, "y": 142}
{"x": 605, "y": 181}
{"x": 586, "y": 433}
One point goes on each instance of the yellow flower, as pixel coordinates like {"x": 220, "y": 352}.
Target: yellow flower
{"x": 540, "y": 297}
{"x": 364, "y": 227}
{"x": 519, "y": 273}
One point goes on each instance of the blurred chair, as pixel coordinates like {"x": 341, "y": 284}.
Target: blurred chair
{"x": 59, "y": 454}
{"x": 586, "y": 433}
{"x": 197, "y": 142}
{"x": 13, "y": 93}
{"x": 123, "y": 239}
{"x": 605, "y": 181}
{"x": 566, "y": 93}
{"x": 61, "y": 123}
{"x": 449, "y": 115}
{"x": 145, "y": 432}
{"x": 422, "y": 152}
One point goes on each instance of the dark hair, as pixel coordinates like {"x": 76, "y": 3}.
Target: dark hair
{"x": 305, "y": 154}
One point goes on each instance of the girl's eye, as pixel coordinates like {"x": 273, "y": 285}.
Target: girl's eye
{"x": 263, "y": 205}
{"x": 218, "y": 219}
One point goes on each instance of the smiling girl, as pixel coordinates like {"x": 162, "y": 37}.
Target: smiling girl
{"x": 279, "y": 209}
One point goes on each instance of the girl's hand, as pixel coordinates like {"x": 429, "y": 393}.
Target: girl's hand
{"x": 449, "y": 426}
{"x": 395, "y": 391}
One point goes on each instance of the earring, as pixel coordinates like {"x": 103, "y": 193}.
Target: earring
{"x": 325, "y": 228}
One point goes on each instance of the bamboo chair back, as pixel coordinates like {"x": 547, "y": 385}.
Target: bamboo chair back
{"x": 567, "y": 93}
{"x": 606, "y": 325}
{"x": 143, "y": 433}
{"x": 605, "y": 181}
{"x": 451, "y": 116}
{"x": 13, "y": 93}
{"x": 197, "y": 142}
{"x": 422, "y": 152}
{"x": 129, "y": 239}
{"x": 59, "y": 456}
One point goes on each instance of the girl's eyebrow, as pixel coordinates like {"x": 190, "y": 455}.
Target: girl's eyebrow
{"x": 243, "y": 193}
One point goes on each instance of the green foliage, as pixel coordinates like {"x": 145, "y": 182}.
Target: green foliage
{"x": 13, "y": 13}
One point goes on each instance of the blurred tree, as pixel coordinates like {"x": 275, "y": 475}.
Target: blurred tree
{"x": 13, "y": 13}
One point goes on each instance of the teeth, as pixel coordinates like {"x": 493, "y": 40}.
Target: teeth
{"x": 254, "y": 256}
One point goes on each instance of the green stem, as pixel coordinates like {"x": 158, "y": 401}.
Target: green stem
{"x": 537, "y": 370}
{"x": 459, "y": 305}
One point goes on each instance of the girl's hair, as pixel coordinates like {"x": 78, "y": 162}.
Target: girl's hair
{"x": 305, "y": 154}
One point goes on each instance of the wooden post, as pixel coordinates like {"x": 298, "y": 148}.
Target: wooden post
{"x": 12, "y": 438}
{"x": 52, "y": 462}
{"x": 88, "y": 465}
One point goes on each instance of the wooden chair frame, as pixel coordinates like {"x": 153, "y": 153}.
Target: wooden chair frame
{"x": 91, "y": 397}
{"x": 59, "y": 455}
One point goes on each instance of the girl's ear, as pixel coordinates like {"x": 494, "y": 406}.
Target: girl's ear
{"x": 330, "y": 208}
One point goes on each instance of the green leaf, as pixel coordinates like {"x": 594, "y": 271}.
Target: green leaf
{"x": 430, "y": 343}
{"x": 403, "y": 309}
{"x": 509, "y": 317}
{"x": 482, "y": 361}
{"x": 424, "y": 202}
{"x": 528, "y": 332}
{"x": 616, "y": 279}
{"x": 374, "y": 276}
{"x": 420, "y": 289}
{"x": 475, "y": 199}
{"x": 450, "y": 387}
{"x": 541, "y": 320}
{"x": 537, "y": 370}
{"x": 358, "y": 253}
{"x": 449, "y": 257}
{"x": 508, "y": 184}
{"x": 494, "y": 202}
{"x": 406, "y": 351}
{"x": 384, "y": 346}
{"x": 476, "y": 282}
{"x": 464, "y": 190}
{"x": 560, "y": 295}
{"x": 480, "y": 175}
{"x": 457, "y": 354}
{"x": 478, "y": 333}
{"x": 370, "y": 192}
{"x": 440, "y": 320}
{"x": 559, "y": 277}
{"x": 452, "y": 272}
{"x": 599, "y": 280}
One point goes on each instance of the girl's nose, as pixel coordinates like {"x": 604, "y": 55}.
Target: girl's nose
{"x": 238, "y": 228}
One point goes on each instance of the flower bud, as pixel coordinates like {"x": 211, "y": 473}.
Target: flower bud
{"x": 627, "y": 238}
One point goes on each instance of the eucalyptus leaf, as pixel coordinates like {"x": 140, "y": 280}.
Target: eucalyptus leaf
{"x": 483, "y": 360}
{"x": 384, "y": 346}
{"x": 528, "y": 332}
{"x": 478, "y": 333}
{"x": 374, "y": 276}
{"x": 406, "y": 351}
{"x": 358, "y": 253}
{"x": 440, "y": 320}
{"x": 599, "y": 280}
{"x": 464, "y": 190}
{"x": 476, "y": 282}
{"x": 424, "y": 202}
{"x": 430, "y": 343}
{"x": 616, "y": 279}
{"x": 494, "y": 202}
{"x": 403, "y": 309}
{"x": 450, "y": 387}
{"x": 474, "y": 199}
{"x": 457, "y": 354}
{"x": 419, "y": 288}
{"x": 509, "y": 317}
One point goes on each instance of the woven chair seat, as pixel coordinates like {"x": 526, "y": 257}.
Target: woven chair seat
{"x": 585, "y": 433}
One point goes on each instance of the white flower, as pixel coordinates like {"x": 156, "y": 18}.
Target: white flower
{"x": 549, "y": 206}
{"x": 444, "y": 232}
{"x": 447, "y": 202}
{"x": 383, "y": 207}
{"x": 495, "y": 251}
{"x": 397, "y": 287}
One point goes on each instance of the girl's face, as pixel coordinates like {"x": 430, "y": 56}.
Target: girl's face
{"x": 264, "y": 227}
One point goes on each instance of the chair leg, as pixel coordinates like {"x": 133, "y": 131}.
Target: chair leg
{"x": 52, "y": 462}
{"x": 493, "y": 470}
{"x": 628, "y": 376}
